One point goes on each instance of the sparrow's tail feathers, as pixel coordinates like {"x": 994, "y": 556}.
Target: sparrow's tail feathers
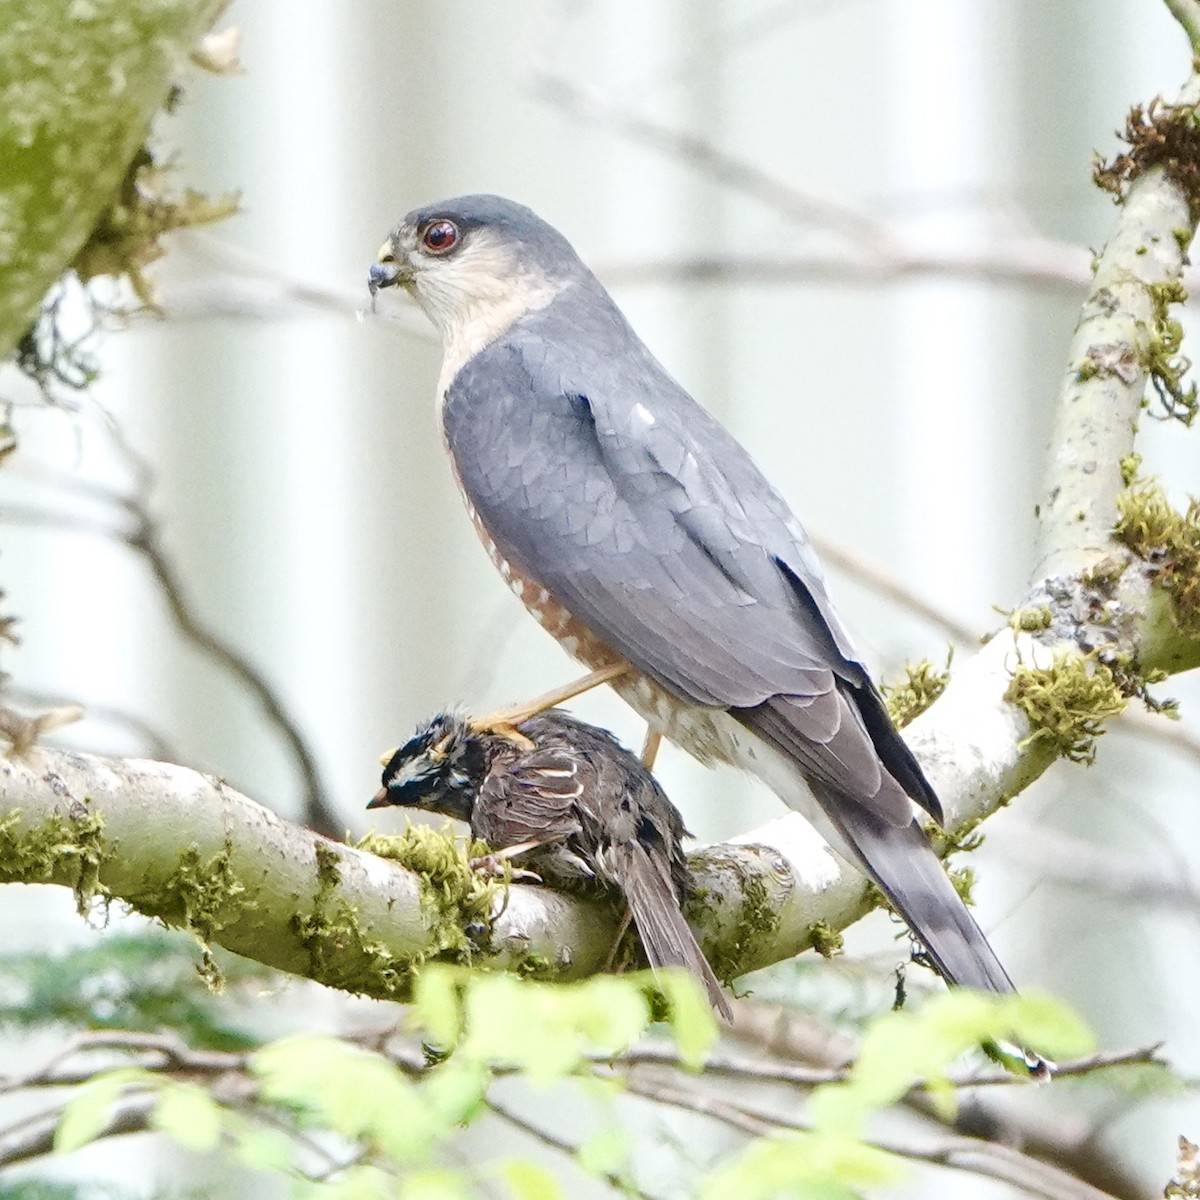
{"x": 666, "y": 936}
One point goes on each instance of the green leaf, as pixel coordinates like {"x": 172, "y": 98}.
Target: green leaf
{"x": 437, "y": 1003}
{"x": 529, "y": 1181}
{"x": 456, "y": 1089}
{"x": 804, "y": 1166}
{"x": 88, "y": 1112}
{"x": 189, "y": 1114}
{"x": 689, "y": 1013}
{"x": 354, "y": 1092}
{"x": 547, "y": 1029}
{"x": 264, "y": 1149}
{"x": 354, "y": 1183}
{"x": 437, "y": 1183}
{"x": 605, "y": 1152}
{"x": 1047, "y": 1025}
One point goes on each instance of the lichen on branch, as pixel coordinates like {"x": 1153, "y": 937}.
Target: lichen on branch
{"x": 78, "y": 91}
{"x": 1168, "y": 542}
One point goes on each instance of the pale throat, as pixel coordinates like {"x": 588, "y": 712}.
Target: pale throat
{"x": 470, "y": 325}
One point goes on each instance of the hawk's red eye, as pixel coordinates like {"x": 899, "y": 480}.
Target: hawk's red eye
{"x": 440, "y": 236}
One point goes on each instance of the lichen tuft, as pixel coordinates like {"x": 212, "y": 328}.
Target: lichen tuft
{"x": 1162, "y": 357}
{"x": 826, "y": 940}
{"x": 1160, "y": 135}
{"x": 1168, "y": 542}
{"x": 340, "y": 954}
{"x": 202, "y": 896}
{"x": 909, "y": 697}
{"x": 37, "y": 855}
{"x": 455, "y": 898}
{"x": 127, "y": 237}
{"x": 1067, "y": 704}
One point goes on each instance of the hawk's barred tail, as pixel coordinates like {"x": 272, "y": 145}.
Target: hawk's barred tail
{"x": 902, "y": 862}
{"x": 666, "y": 936}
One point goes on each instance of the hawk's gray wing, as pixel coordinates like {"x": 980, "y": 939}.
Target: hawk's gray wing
{"x": 606, "y": 483}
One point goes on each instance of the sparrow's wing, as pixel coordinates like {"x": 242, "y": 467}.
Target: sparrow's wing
{"x": 530, "y": 801}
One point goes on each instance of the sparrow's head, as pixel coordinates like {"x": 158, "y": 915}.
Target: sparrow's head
{"x": 476, "y": 260}
{"x": 439, "y": 769}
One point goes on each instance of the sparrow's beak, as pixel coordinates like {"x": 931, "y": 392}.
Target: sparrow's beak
{"x": 380, "y": 800}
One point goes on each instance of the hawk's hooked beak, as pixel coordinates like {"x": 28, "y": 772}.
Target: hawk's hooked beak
{"x": 387, "y": 271}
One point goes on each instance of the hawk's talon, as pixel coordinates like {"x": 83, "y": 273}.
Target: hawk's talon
{"x": 494, "y": 866}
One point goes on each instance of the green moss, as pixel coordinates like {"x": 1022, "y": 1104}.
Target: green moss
{"x": 202, "y": 896}
{"x": 1131, "y": 464}
{"x": 1162, "y": 357}
{"x": 963, "y": 879}
{"x": 127, "y": 237}
{"x": 79, "y": 87}
{"x": 37, "y": 855}
{"x": 921, "y": 685}
{"x": 758, "y": 916}
{"x": 1183, "y": 238}
{"x": 1067, "y": 704}
{"x": 1102, "y": 577}
{"x": 1168, "y": 542}
{"x": 456, "y": 904}
{"x": 1136, "y": 682}
{"x": 341, "y": 956}
{"x": 1031, "y": 620}
{"x": 964, "y": 840}
{"x": 455, "y": 898}
{"x": 826, "y": 940}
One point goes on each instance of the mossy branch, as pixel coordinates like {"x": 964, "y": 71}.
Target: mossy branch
{"x": 80, "y": 86}
{"x": 1124, "y": 340}
{"x": 183, "y": 847}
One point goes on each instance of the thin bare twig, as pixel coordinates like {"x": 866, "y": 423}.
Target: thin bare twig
{"x": 806, "y": 1076}
{"x": 959, "y": 1153}
{"x": 240, "y": 284}
{"x": 763, "y": 24}
{"x": 1058, "y": 857}
{"x": 154, "y": 1052}
{"x": 804, "y": 208}
{"x": 554, "y": 1142}
{"x": 134, "y": 525}
{"x": 1041, "y": 264}
{"x": 33, "y": 1137}
{"x": 1142, "y": 724}
{"x": 879, "y": 582}
{"x": 154, "y": 743}
{"x": 1065, "y": 1139}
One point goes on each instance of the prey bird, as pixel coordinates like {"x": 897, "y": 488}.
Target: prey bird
{"x": 575, "y": 806}
{"x": 641, "y": 534}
